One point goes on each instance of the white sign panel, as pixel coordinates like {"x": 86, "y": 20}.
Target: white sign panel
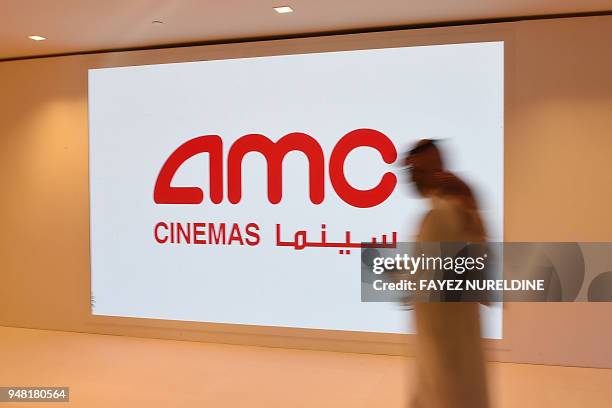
{"x": 232, "y": 191}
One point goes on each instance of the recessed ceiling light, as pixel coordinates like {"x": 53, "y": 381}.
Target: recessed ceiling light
{"x": 283, "y": 9}
{"x": 36, "y": 38}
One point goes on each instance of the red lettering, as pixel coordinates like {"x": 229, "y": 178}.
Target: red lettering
{"x": 275, "y": 152}
{"x": 199, "y": 233}
{"x": 157, "y": 238}
{"x": 235, "y": 235}
{"x": 252, "y": 231}
{"x": 164, "y": 193}
{"x": 217, "y": 236}
{"x": 350, "y": 141}
{"x": 184, "y": 232}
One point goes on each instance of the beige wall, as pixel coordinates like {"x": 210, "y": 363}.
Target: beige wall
{"x": 557, "y": 185}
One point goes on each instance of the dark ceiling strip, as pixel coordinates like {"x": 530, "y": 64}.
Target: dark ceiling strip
{"x": 323, "y": 34}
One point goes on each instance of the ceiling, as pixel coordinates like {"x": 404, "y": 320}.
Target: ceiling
{"x": 87, "y": 25}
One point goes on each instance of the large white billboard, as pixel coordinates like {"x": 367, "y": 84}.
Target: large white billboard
{"x": 238, "y": 191}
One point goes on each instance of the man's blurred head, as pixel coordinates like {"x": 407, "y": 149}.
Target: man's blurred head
{"x": 424, "y": 157}
{"x": 423, "y": 161}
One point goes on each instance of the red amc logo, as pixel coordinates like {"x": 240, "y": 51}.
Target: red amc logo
{"x": 274, "y": 153}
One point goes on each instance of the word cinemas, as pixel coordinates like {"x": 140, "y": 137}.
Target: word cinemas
{"x": 206, "y": 233}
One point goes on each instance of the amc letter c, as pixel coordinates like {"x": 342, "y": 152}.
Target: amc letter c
{"x": 349, "y": 142}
